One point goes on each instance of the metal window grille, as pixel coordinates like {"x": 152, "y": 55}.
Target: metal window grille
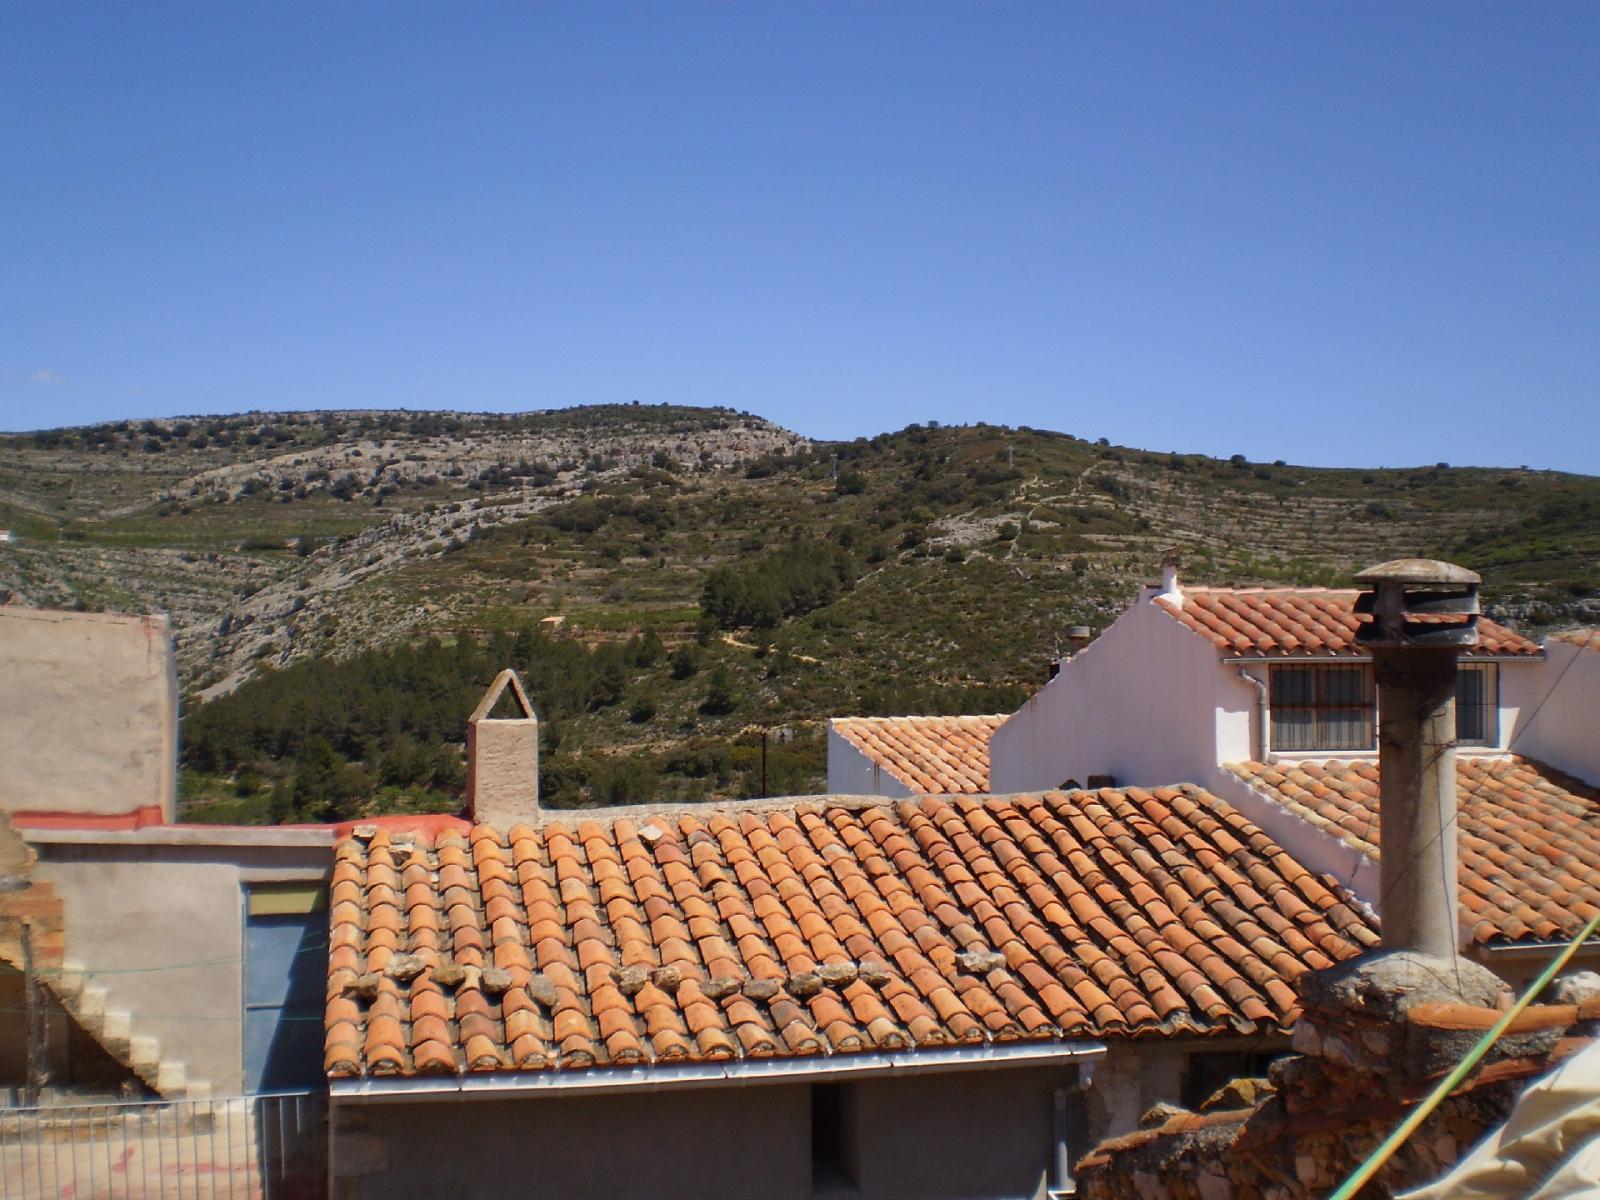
{"x": 1317, "y": 707}
{"x": 1477, "y": 705}
{"x": 267, "y": 1147}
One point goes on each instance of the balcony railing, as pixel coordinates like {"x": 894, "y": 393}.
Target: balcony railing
{"x": 267, "y": 1147}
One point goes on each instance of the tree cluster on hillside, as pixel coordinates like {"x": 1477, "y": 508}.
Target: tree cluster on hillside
{"x": 788, "y": 582}
{"x": 395, "y": 717}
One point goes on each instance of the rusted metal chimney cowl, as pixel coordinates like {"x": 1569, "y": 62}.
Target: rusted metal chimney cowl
{"x": 1424, "y": 613}
{"x": 1419, "y": 602}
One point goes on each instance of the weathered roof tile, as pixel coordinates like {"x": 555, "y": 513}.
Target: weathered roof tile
{"x": 930, "y": 755}
{"x": 1304, "y": 622}
{"x": 1529, "y": 835}
{"x": 931, "y": 921}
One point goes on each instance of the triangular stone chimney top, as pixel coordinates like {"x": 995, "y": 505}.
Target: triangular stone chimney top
{"x": 503, "y": 758}
{"x": 506, "y": 679}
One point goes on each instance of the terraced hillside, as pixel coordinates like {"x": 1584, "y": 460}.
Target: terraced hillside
{"x": 713, "y": 572}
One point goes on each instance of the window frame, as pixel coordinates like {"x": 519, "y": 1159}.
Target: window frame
{"x": 1488, "y": 703}
{"x": 1317, "y": 736}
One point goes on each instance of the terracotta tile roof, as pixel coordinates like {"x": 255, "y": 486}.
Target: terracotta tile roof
{"x": 1530, "y": 836}
{"x": 1301, "y": 621}
{"x": 1584, "y": 639}
{"x": 820, "y": 929}
{"x": 930, "y": 755}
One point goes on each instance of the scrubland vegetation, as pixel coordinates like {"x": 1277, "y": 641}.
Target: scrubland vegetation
{"x": 670, "y": 582}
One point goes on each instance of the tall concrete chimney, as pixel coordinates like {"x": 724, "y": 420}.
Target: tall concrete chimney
{"x": 1424, "y": 613}
{"x": 503, "y": 758}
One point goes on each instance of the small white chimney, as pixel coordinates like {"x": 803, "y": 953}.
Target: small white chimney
{"x": 503, "y": 758}
{"x": 1170, "y": 561}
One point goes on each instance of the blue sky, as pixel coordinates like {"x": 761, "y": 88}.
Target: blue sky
{"x": 1332, "y": 233}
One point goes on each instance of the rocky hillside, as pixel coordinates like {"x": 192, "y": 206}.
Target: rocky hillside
{"x": 268, "y": 537}
{"x": 925, "y": 570}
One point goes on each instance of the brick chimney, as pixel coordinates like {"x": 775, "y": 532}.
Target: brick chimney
{"x": 503, "y": 758}
{"x": 1424, "y": 613}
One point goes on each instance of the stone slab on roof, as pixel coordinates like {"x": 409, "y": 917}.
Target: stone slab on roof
{"x": 819, "y": 929}
{"x": 1530, "y": 836}
{"x": 930, "y": 755}
{"x": 1304, "y": 622}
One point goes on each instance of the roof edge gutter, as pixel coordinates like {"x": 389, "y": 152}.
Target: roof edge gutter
{"x": 501, "y": 1085}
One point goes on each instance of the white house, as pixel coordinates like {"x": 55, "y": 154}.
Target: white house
{"x": 1190, "y": 679}
{"x": 1263, "y": 697}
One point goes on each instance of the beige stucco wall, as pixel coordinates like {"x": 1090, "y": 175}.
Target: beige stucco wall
{"x": 88, "y": 712}
{"x": 503, "y": 771}
{"x": 156, "y": 918}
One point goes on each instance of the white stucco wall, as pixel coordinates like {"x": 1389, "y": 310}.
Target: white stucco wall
{"x": 852, "y": 773}
{"x": 1558, "y": 721}
{"x": 1148, "y": 702}
{"x": 88, "y": 712}
{"x": 156, "y": 918}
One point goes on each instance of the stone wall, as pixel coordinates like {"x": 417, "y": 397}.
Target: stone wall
{"x": 1297, "y": 1134}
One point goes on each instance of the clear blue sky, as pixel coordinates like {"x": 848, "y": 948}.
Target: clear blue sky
{"x": 1331, "y": 233}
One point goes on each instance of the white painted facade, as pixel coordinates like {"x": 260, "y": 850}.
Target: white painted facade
{"x": 1150, "y": 702}
{"x": 853, "y": 773}
{"x": 1557, "y": 718}
{"x": 1147, "y": 702}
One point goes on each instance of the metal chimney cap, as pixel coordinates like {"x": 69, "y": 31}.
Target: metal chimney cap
{"x": 1422, "y": 571}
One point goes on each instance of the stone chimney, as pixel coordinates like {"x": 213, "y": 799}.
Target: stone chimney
{"x": 503, "y": 758}
{"x": 1424, "y": 613}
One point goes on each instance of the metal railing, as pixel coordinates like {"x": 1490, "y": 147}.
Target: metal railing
{"x": 266, "y": 1147}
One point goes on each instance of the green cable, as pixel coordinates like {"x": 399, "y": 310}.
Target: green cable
{"x": 1423, "y": 1111}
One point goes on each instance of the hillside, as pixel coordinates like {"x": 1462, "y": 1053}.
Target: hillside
{"x": 929, "y": 569}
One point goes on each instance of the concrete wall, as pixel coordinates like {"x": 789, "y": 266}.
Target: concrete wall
{"x": 852, "y": 773}
{"x": 173, "y": 899}
{"x": 1558, "y": 721}
{"x": 1147, "y": 702}
{"x": 688, "y": 1145}
{"x": 958, "y": 1134}
{"x": 88, "y": 712}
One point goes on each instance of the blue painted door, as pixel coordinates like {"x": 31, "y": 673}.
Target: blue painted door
{"x": 285, "y": 974}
